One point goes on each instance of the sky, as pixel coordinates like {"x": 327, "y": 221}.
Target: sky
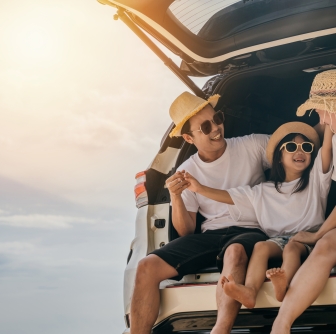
{"x": 83, "y": 107}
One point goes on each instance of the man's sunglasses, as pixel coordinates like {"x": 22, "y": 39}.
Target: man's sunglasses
{"x": 206, "y": 126}
{"x": 292, "y": 147}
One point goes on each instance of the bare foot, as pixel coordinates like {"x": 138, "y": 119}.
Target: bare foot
{"x": 279, "y": 280}
{"x": 223, "y": 281}
{"x": 241, "y": 293}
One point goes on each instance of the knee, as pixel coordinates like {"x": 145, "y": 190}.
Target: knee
{"x": 235, "y": 254}
{"x": 293, "y": 247}
{"x": 325, "y": 247}
{"x": 145, "y": 269}
{"x": 261, "y": 248}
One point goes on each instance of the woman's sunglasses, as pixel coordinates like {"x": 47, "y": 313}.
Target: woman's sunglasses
{"x": 206, "y": 126}
{"x": 292, "y": 147}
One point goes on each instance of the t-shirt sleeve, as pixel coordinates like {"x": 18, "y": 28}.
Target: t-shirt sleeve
{"x": 243, "y": 209}
{"x": 324, "y": 179}
{"x": 260, "y": 143}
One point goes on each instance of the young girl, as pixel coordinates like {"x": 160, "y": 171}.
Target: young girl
{"x": 322, "y": 98}
{"x": 293, "y": 200}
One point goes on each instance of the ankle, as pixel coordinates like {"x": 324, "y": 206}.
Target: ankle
{"x": 253, "y": 291}
{"x": 220, "y": 330}
{"x": 281, "y": 326}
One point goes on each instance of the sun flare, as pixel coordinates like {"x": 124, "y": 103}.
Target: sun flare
{"x": 33, "y": 41}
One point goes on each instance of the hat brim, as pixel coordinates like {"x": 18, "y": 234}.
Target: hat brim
{"x": 212, "y": 100}
{"x": 325, "y": 104}
{"x": 288, "y": 128}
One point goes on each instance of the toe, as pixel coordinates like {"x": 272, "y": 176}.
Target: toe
{"x": 230, "y": 278}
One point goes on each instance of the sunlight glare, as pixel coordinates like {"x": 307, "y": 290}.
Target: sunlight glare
{"x": 33, "y": 43}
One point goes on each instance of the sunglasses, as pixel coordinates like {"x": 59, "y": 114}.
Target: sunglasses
{"x": 292, "y": 147}
{"x": 206, "y": 126}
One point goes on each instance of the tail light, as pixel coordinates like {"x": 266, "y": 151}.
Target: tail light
{"x": 140, "y": 191}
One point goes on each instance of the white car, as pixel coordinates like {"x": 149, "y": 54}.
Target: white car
{"x": 262, "y": 56}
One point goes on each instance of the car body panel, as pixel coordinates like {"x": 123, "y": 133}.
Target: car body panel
{"x": 196, "y": 298}
{"x": 147, "y": 238}
{"x": 165, "y": 161}
{"x": 155, "y": 17}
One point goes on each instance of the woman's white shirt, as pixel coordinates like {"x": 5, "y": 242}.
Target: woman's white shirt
{"x": 284, "y": 213}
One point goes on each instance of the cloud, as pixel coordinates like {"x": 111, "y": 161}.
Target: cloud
{"x": 94, "y": 131}
{"x": 16, "y": 247}
{"x": 44, "y": 221}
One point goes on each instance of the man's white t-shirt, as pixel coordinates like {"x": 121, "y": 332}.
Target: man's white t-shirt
{"x": 284, "y": 213}
{"x": 334, "y": 156}
{"x": 243, "y": 163}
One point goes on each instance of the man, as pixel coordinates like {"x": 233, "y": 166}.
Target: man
{"x": 219, "y": 163}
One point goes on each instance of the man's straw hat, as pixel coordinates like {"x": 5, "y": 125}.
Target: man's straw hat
{"x": 322, "y": 94}
{"x": 185, "y": 106}
{"x": 286, "y": 129}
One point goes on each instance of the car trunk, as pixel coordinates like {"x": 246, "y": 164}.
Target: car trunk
{"x": 257, "y": 100}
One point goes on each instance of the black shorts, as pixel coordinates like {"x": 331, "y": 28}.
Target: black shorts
{"x": 194, "y": 252}
{"x": 331, "y": 199}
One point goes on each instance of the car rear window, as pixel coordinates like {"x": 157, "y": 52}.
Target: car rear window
{"x": 217, "y": 19}
{"x": 193, "y": 14}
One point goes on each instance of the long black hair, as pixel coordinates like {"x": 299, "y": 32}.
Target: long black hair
{"x": 278, "y": 174}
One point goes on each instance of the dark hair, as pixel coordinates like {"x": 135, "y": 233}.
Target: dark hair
{"x": 278, "y": 175}
{"x": 186, "y": 128}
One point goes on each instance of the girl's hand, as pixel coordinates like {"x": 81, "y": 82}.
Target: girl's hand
{"x": 194, "y": 185}
{"x": 308, "y": 238}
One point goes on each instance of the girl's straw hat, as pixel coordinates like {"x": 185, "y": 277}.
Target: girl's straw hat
{"x": 185, "y": 106}
{"x": 322, "y": 94}
{"x": 286, "y": 129}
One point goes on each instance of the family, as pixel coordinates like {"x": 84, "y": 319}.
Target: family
{"x": 249, "y": 220}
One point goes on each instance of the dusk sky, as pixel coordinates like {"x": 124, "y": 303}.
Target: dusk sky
{"x": 84, "y": 105}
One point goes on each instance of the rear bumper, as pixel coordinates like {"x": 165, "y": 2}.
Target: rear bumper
{"x": 257, "y": 320}
{"x": 193, "y": 308}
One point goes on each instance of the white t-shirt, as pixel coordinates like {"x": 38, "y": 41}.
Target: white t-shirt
{"x": 242, "y": 163}
{"x": 334, "y": 156}
{"x": 284, "y": 213}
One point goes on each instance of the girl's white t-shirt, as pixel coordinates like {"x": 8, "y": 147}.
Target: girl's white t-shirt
{"x": 334, "y": 156}
{"x": 284, "y": 213}
{"x": 243, "y": 163}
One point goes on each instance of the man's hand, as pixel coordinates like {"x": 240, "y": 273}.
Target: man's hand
{"x": 194, "y": 185}
{"x": 305, "y": 238}
{"x": 176, "y": 183}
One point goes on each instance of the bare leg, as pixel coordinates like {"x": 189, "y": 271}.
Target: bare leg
{"x": 307, "y": 284}
{"x": 281, "y": 277}
{"x": 255, "y": 277}
{"x": 235, "y": 261}
{"x": 146, "y": 297}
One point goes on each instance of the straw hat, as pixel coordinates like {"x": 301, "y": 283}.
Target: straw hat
{"x": 185, "y": 106}
{"x": 286, "y": 129}
{"x": 322, "y": 94}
